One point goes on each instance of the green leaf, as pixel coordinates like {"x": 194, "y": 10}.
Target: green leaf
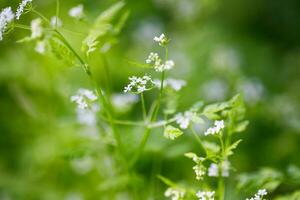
{"x": 61, "y": 51}
{"x": 172, "y": 133}
{"x": 166, "y": 181}
{"x": 240, "y": 127}
{"x": 229, "y": 150}
{"x": 102, "y": 26}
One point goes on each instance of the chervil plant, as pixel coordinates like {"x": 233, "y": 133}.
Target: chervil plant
{"x": 97, "y": 106}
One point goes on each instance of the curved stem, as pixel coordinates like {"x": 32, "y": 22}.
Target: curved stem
{"x": 40, "y": 15}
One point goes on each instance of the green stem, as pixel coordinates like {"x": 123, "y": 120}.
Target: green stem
{"x": 57, "y": 13}
{"x": 153, "y": 117}
{"x": 41, "y": 15}
{"x": 221, "y": 185}
{"x": 143, "y": 107}
{"x": 199, "y": 140}
{"x": 21, "y": 26}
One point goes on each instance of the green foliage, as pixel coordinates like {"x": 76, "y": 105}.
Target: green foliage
{"x": 267, "y": 178}
{"x": 172, "y": 133}
{"x": 104, "y": 27}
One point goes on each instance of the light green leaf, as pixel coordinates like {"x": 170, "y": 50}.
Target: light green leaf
{"x": 172, "y": 133}
{"x": 229, "y": 150}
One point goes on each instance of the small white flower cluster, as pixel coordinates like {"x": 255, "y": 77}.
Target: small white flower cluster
{"x": 86, "y": 110}
{"x": 6, "y": 16}
{"x": 175, "y": 193}
{"x": 123, "y": 102}
{"x": 21, "y": 7}
{"x": 158, "y": 64}
{"x": 83, "y": 97}
{"x": 199, "y": 169}
{"x": 36, "y": 28}
{"x": 175, "y": 84}
{"x": 139, "y": 84}
{"x": 213, "y": 170}
{"x": 259, "y": 195}
{"x": 55, "y": 22}
{"x": 218, "y": 126}
{"x": 208, "y": 195}
{"x": 77, "y": 12}
{"x": 184, "y": 120}
{"x": 162, "y": 40}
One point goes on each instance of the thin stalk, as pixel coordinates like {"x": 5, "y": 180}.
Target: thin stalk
{"x": 153, "y": 117}
{"x": 57, "y": 13}
{"x": 41, "y": 15}
{"x": 221, "y": 185}
{"x": 198, "y": 140}
{"x": 21, "y": 26}
{"x": 144, "y": 107}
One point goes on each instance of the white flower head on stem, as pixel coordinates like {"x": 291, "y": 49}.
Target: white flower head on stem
{"x": 36, "y": 28}
{"x": 77, "y": 12}
{"x": 259, "y": 195}
{"x": 6, "y": 16}
{"x": 83, "y": 98}
{"x": 175, "y": 193}
{"x": 55, "y": 22}
{"x": 158, "y": 64}
{"x": 218, "y": 126}
{"x": 162, "y": 40}
{"x": 199, "y": 168}
{"x": 139, "y": 84}
{"x": 205, "y": 195}
{"x": 200, "y": 171}
{"x": 21, "y": 8}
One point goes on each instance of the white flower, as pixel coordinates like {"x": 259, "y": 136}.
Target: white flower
{"x": 175, "y": 193}
{"x": 139, "y": 84}
{"x": 158, "y": 64}
{"x": 21, "y": 7}
{"x": 200, "y": 171}
{"x": 36, "y": 28}
{"x": 219, "y": 125}
{"x": 175, "y": 84}
{"x": 213, "y": 170}
{"x": 83, "y": 97}
{"x": 6, "y": 16}
{"x": 169, "y": 64}
{"x": 184, "y": 120}
{"x": 88, "y": 116}
{"x": 77, "y": 12}
{"x": 259, "y": 195}
{"x": 123, "y": 102}
{"x": 162, "y": 40}
{"x": 208, "y": 195}
{"x": 153, "y": 57}
{"x": 40, "y": 47}
{"x": 55, "y": 22}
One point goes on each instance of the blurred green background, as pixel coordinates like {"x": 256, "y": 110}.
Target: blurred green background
{"x": 220, "y": 48}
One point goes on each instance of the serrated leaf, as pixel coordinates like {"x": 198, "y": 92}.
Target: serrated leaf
{"x": 240, "y": 127}
{"x": 229, "y": 150}
{"x": 61, "y": 51}
{"x": 102, "y": 26}
{"x": 172, "y": 133}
